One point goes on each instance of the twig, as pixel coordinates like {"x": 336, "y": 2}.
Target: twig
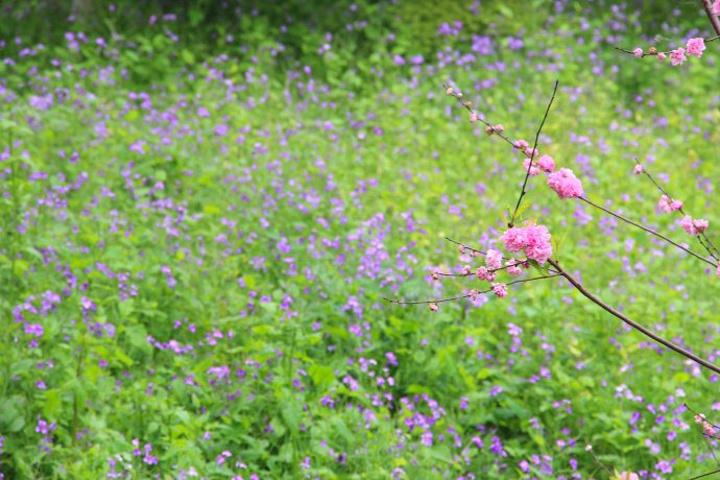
{"x": 648, "y": 333}
{"x": 467, "y": 105}
{"x": 523, "y": 191}
{"x": 648, "y": 230}
{"x": 705, "y": 474}
{"x": 654, "y": 53}
{"x": 470, "y": 294}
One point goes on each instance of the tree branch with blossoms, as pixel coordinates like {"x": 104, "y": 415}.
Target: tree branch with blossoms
{"x": 694, "y": 46}
{"x": 534, "y": 241}
{"x": 668, "y": 204}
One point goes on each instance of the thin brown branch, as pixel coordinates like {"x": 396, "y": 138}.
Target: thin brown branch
{"x": 648, "y": 230}
{"x": 467, "y": 105}
{"x": 469, "y": 294}
{"x": 533, "y": 152}
{"x": 645, "y": 331}
{"x": 705, "y": 474}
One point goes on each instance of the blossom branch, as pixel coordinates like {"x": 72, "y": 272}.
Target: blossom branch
{"x": 654, "y": 52}
{"x": 481, "y": 252}
{"x": 647, "y": 229}
{"x": 533, "y": 152}
{"x": 475, "y": 116}
{"x": 645, "y": 331}
{"x": 467, "y": 272}
{"x": 469, "y": 294}
{"x": 701, "y": 236}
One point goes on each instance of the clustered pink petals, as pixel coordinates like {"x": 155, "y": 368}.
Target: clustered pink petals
{"x": 708, "y": 428}
{"x": 667, "y": 204}
{"x": 490, "y": 129}
{"x": 533, "y": 170}
{"x": 493, "y": 259}
{"x": 520, "y": 145}
{"x": 533, "y": 240}
{"x": 715, "y": 8}
{"x": 484, "y": 274}
{"x": 628, "y": 476}
{"x": 677, "y": 56}
{"x": 565, "y": 183}
{"x": 514, "y": 267}
{"x": 546, "y": 163}
{"x": 638, "y": 169}
{"x": 694, "y": 226}
{"x": 499, "y": 289}
{"x": 638, "y": 52}
{"x": 695, "y": 47}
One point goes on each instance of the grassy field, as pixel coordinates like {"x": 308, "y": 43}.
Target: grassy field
{"x": 195, "y": 250}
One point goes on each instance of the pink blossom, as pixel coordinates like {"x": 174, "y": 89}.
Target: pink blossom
{"x": 638, "y": 169}
{"x": 514, "y": 239}
{"x": 513, "y": 267}
{"x": 695, "y": 47}
{"x": 546, "y": 163}
{"x": 498, "y": 128}
{"x": 628, "y": 476}
{"x": 520, "y": 144}
{"x": 694, "y": 226}
{"x": 533, "y": 170}
{"x": 433, "y": 307}
{"x": 530, "y": 152}
{"x": 473, "y": 117}
{"x": 715, "y": 8}
{"x": 717, "y": 271}
{"x": 493, "y": 259}
{"x": 661, "y": 56}
{"x": 638, "y": 52}
{"x": 565, "y": 183}
{"x": 667, "y": 204}
{"x": 499, "y": 289}
{"x": 484, "y": 274}
{"x": 534, "y": 240}
{"x": 677, "y": 56}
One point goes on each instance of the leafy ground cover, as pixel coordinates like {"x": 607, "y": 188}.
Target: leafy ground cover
{"x": 195, "y": 251}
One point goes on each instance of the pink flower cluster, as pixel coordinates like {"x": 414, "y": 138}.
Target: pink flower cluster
{"x": 490, "y": 129}
{"x": 494, "y": 262}
{"x": 715, "y": 8}
{"x": 533, "y": 240}
{"x": 668, "y": 205}
{"x": 565, "y": 183}
{"x": 499, "y": 289}
{"x": 694, "y": 47}
{"x": 708, "y": 428}
{"x": 694, "y": 226}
